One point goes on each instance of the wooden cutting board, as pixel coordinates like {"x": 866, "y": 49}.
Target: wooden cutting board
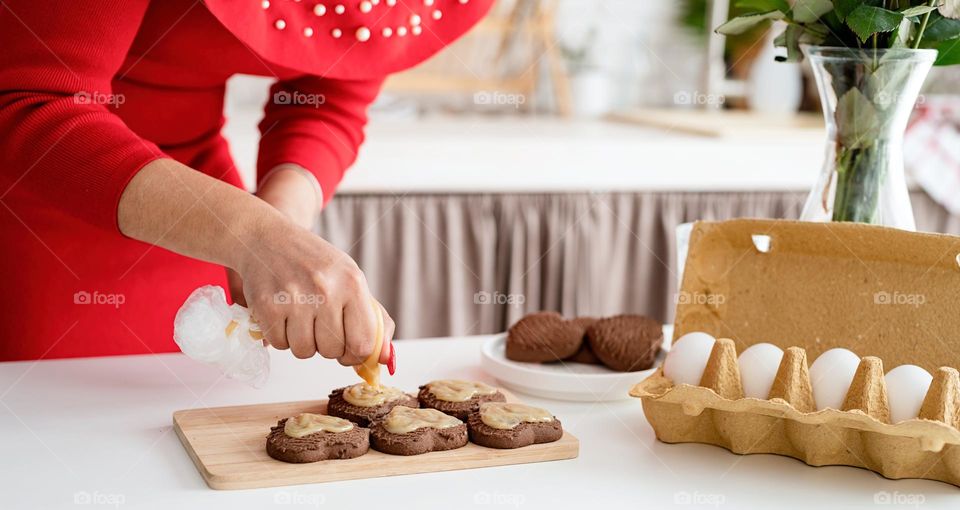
{"x": 228, "y": 446}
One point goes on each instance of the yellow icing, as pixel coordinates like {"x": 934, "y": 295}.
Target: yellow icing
{"x": 505, "y": 416}
{"x": 309, "y": 423}
{"x": 369, "y": 370}
{"x": 453, "y": 390}
{"x": 402, "y": 420}
{"x": 364, "y": 395}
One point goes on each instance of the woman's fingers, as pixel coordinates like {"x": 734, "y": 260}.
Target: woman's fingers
{"x": 235, "y": 284}
{"x": 272, "y": 320}
{"x": 276, "y": 332}
{"x": 328, "y": 331}
{"x": 300, "y": 336}
{"x": 359, "y": 324}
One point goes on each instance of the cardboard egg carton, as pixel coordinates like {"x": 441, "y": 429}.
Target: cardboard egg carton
{"x": 888, "y": 295}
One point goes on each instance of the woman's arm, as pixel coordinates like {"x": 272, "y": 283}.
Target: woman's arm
{"x": 294, "y": 191}
{"x": 316, "y": 124}
{"x": 60, "y": 142}
{"x": 307, "y": 295}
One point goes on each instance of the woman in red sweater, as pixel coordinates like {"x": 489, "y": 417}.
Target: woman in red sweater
{"x": 117, "y": 189}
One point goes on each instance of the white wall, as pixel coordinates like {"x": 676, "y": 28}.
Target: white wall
{"x": 639, "y": 46}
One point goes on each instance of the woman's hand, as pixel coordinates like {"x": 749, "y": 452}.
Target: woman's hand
{"x": 291, "y": 190}
{"x": 307, "y": 295}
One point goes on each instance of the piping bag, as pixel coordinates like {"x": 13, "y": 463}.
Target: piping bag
{"x": 369, "y": 370}
{"x": 209, "y": 330}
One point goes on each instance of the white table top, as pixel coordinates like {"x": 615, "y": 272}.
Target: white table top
{"x": 98, "y": 431}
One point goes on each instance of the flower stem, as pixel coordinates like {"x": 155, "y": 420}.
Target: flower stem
{"x": 923, "y": 26}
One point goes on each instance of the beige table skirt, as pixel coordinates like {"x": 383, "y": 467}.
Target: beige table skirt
{"x": 461, "y": 264}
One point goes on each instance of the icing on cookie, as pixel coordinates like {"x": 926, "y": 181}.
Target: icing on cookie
{"x": 402, "y": 420}
{"x": 452, "y": 390}
{"x": 309, "y": 423}
{"x": 364, "y": 395}
{"x": 505, "y": 416}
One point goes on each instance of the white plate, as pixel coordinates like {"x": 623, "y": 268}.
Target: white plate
{"x": 563, "y": 381}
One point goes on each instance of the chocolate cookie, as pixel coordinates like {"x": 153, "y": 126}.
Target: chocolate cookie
{"x": 459, "y": 408}
{"x": 506, "y": 426}
{"x": 317, "y": 446}
{"x": 543, "y": 336}
{"x": 626, "y": 343}
{"x": 408, "y": 431}
{"x": 585, "y": 354}
{"x": 364, "y": 415}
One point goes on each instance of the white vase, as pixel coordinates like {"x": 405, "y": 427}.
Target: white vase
{"x": 591, "y": 93}
{"x": 774, "y": 87}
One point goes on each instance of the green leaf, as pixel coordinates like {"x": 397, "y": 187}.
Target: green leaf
{"x": 884, "y": 86}
{"x": 812, "y": 37}
{"x": 763, "y": 5}
{"x": 857, "y": 123}
{"x": 792, "y": 35}
{"x": 950, "y": 9}
{"x": 941, "y": 29}
{"x": 948, "y": 53}
{"x": 843, "y": 8}
{"x": 808, "y": 11}
{"x": 918, "y": 10}
{"x": 741, "y": 24}
{"x": 867, "y": 20}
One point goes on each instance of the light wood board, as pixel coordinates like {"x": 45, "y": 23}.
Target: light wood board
{"x": 228, "y": 446}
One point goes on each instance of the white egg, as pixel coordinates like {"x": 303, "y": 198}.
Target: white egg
{"x": 758, "y": 368}
{"x": 688, "y": 357}
{"x": 907, "y": 386}
{"x": 831, "y": 375}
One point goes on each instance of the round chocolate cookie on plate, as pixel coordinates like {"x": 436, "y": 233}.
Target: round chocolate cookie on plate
{"x": 626, "y": 343}
{"x": 510, "y": 425}
{"x": 543, "y": 336}
{"x": 408, "y": 431}
{"x": 314, "y": 437}
{"x": 457, "y": 398}
{"x": 363, "y": 404}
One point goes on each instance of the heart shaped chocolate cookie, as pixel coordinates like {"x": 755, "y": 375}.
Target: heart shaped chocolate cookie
{"x": 544, "y": 336}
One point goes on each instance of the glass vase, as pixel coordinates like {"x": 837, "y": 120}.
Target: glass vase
{"x": 867, "y": 97}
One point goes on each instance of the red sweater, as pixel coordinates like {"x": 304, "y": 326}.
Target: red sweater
{"x": 90, "y": 92}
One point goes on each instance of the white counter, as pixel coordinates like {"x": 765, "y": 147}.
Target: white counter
{"x": 517, "y": 154}
{"x": 529, "y": 154}
{"x": 98, "y": 432}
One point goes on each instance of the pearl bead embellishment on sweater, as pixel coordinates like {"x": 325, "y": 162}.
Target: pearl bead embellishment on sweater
{"x": 364, "y": 33}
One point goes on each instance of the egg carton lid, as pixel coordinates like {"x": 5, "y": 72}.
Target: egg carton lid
{"x": 877, "y": 291}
